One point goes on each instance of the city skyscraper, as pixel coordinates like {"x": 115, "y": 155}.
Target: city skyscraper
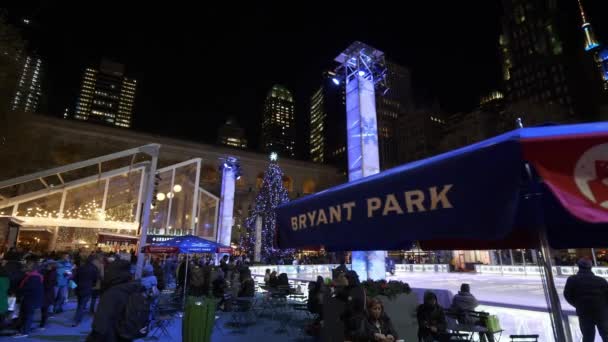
{"x": 279, "y": 122}
{"x": 328, "y": 123}
{"x": 598, "y": 51}
{"x": 29, "y": 90}
{"x": 106, "y": 96}
{"x": 543, "y": 59}
{"x": 390, "y": 107}
{"x": 232, "y": 134}
{"x": 419, "y": 133}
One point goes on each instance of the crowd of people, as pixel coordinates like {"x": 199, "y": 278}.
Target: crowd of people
{"x": 103, "y": 283}
{"x": 104, "y": 287}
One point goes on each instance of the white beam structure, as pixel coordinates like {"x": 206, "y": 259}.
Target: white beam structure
{"x": 226, "y": 211}
{"x": 363, "y": 69}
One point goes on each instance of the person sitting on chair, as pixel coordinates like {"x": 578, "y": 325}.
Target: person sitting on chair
{"x": 431, "y": 319}
{"x": 463, "y": 303}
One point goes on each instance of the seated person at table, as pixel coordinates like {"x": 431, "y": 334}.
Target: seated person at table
{"x": 463, "y": 302}
{"x": 431, "y": 319}
{"x": 273, "y": 280}
{"x": 377, "y": 326}
{"x": 283, "y": 280}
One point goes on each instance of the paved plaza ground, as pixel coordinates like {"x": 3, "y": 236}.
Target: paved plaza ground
{"x": 265, "y": 329}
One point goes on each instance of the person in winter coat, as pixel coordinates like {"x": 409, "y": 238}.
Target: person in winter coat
{"x": 353, "y": 296}
{"x": 377, "y": 326}
{"x": 159, "y": 274}
{"x": 98, "y": 263}
{"x": 30, "y": 291}
{"x": 64, "y": 273}
{"x": 431, "y": 319}
{"x": 148, "y": 279}
{"x": 117, "y": 272}
{"x": 588, "y": 293}
{"x": 50, "y": 282}
{"x": 112, "y": 306}
{"x": 85, "y": 279}
{"x": 462, "y": 303}
{"x": 196, "y": 280}
{"x": 247, "y": 286}
{"x": 15, "y": 272}
{"x": 181, "y": 275}
{"x": 273, "y": 280}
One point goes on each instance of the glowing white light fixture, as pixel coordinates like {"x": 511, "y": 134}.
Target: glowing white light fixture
{"x": 160, "y": 196}
{"x": 170, "y": 194}
{"x": 177, "y": 188}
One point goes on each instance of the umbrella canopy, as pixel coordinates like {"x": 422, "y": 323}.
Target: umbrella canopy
{"x": 477, "y": 197}
{"x": 188, "y": 244}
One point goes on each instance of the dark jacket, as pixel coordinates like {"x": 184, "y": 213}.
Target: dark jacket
{"x": 85, "y": 279}
{"x": 354, "y": 310}
{"x": 160, "y": 276}
{"x": 14, "y": 269}
{"x": 110, "y": 310}
{"x": 117, "y": 272}
{"x": 587, "y": 292}
{"x": 219, "y": 287}
{"x": 369, "y": 329}
{"x": 461, "y": 304}
{"x": 430, "y": 316}
{"x": 50, "y": 281}
{"x": 273, "y": 281}
{"x": 30, "y": 290}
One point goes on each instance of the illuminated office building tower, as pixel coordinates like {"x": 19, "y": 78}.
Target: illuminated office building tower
{"x": 106, "y": 96}
{"x": 278, "y": 122}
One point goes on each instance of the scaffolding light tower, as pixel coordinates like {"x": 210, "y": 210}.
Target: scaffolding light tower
{"x": 362, "y": 60}
{"x": 363, "y": 70}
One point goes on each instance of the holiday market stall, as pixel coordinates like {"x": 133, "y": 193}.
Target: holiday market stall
{"x": 535, "y": 187}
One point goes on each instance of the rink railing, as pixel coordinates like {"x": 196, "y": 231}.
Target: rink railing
{"x": 326, "y": 269}
{"x": 535, "y": 270}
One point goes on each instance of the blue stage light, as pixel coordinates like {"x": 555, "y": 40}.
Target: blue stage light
{"x": 361, "y": 73}
{"x": 336, "y": 81}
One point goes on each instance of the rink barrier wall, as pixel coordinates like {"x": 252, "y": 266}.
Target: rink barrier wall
{"x": 326, "y": 268}
{"x": 535, "y": 270}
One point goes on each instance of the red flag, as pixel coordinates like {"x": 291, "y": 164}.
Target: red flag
{"x": 576, "y": 170}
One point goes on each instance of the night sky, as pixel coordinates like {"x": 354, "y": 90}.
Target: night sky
{"x": 214, "y": 62}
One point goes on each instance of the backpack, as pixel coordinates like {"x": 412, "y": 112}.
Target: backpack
{"x": 197, "y": 277}
{"x": 136, "y": 317}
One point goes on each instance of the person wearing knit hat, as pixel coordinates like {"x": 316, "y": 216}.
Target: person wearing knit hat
{"x": 588, "y": 293}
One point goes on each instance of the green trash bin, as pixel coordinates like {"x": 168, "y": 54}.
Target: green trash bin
{"x": 198, "y": 320}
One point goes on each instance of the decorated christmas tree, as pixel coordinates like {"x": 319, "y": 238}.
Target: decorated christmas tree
{"x": 271, "y": 195}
